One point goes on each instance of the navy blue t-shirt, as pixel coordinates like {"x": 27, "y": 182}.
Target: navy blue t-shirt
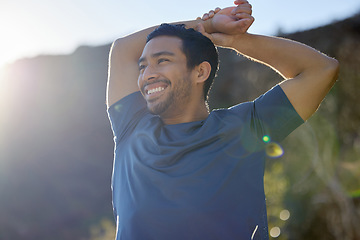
{"x": 196, "y": 180}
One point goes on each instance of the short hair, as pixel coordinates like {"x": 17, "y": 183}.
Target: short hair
{"x": 196, "y": 47}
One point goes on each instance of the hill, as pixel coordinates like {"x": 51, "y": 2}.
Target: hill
{"x": 56, "y": 144}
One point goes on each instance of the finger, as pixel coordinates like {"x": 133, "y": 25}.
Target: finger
{"x": 246, "y": 8}
{"x": 248, "y": 23}
{"x": 244, "y": 24}
{"x": 205, "y": 17}
{"x": 211, "y": 14}
{"x": 243, "y": 16}
{"x": 238, "y": 2}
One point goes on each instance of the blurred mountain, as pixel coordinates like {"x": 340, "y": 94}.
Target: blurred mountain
{"x": 56, "y": 145}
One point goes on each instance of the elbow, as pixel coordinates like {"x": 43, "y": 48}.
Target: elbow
{"x": 329, "y": 72}
{"x": 125, "y": 49}
{"x": 121, "y": 43}
{"x": 333, "y": 70}
{"x": 118, "y": 49}
{"x": 116, "y": 45}
{"x": 118, "y": 42}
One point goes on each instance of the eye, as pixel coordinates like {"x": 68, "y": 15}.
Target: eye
{"x": 141, "y": 67}
{"x": 163, "y": 60}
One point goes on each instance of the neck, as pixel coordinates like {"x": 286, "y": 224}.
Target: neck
{"x": 190, "y": 114}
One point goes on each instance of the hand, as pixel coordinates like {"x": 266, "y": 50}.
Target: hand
{"x": 209, "y": 15}
{"x": 228, "y": 22}
{"x": 231, "y": 20}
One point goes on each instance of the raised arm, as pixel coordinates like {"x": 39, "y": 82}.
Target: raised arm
{"x": 123, "y": 69}
{"x": 125, "y": 53}
{"x": 123, "y": 62}
{"x": 308, "y": 74}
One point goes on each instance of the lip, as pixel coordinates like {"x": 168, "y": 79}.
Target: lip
{"x": 154, "y": 90}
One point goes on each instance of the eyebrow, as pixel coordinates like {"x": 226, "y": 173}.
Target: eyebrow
{"x": 155, "y": 55}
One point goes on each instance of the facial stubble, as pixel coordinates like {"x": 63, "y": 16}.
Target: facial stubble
{"x": 175, "y": 98}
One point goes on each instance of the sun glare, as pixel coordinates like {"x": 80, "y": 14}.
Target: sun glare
{"x": 26, "y": 31}
{"x": 15, "y": 37}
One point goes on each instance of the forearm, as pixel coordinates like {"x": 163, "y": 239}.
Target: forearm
{"x": 288, "y": 57}
{"x": 131, "y": 46}
{"x": 309, "y": 73}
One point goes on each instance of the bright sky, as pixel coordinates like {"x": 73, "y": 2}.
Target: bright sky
{"x": 29, "y": 28}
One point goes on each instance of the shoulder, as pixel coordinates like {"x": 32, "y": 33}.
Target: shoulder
{"x": 127, "y": 112}
{"x": 128, "y": 102}
{"x": 270, "y": 114}
{"x": 273, "y": 97}
{"x": 238, "y": 110}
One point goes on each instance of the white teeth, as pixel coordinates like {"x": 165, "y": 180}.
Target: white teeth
{"x": 155, "y": 90}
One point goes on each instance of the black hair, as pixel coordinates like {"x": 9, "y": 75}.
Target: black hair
{"x": 196, "y": 47}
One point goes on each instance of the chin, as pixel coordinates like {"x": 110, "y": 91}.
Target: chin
{"x": 157, "y": 109}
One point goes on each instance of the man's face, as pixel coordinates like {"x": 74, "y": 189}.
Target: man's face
{"x": 164, "y": 79}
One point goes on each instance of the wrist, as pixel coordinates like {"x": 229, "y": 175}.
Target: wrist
{"x": 208, "y": 25}
{"x": 237, "y": 41}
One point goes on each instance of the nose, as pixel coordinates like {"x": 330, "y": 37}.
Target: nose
{"x": 149, "y": 73}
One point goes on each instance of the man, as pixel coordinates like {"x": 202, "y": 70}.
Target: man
{"x": 181, "y": 172}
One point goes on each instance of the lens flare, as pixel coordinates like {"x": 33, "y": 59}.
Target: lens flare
{"x": 284, "y": 215}
{"x": 118, "y": 107}
{"x": 274, "y": 150}
{"x": 266, "y": 138}
{"x": 275, "y": 232}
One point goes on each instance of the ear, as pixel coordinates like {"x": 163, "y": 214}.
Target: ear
{"x": 203, "y": 71}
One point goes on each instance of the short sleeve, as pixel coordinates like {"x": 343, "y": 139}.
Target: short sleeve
{"x": 276, "y": 113}
{"x": 270, "y": 114}
{"x": 126, "y": 113}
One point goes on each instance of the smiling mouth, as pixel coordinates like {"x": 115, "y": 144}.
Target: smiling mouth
{"x": 155, "y": 90}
